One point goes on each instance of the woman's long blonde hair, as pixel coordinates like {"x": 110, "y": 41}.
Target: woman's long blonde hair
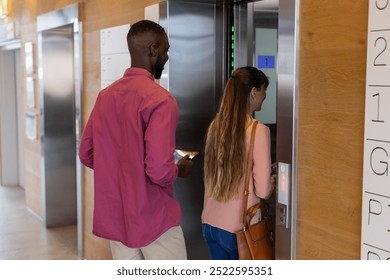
{"x": 225, "y": 151}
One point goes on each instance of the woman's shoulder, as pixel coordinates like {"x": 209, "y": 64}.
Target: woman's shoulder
{"x": 262, "y": 133}
{"x": 261, "y": 128}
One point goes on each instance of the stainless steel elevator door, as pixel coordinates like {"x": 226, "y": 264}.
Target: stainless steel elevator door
{"x": 192, "y": 78}
{"x": 59, "y": 140}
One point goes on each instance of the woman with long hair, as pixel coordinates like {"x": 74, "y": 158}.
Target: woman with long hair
{"x": 226, "y": 149}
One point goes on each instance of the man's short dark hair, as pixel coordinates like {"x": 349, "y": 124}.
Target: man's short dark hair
{"x": 144, "y": 26}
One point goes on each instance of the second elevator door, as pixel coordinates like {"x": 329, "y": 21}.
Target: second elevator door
{"x": 59, "y": 140}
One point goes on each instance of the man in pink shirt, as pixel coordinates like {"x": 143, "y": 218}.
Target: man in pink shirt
{"x": 129, "y": 142}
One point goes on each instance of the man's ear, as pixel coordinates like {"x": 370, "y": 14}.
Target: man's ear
{"x": 153, "y": 49}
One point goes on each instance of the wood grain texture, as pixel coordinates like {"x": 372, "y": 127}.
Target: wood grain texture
{"x": 332, "y": 62}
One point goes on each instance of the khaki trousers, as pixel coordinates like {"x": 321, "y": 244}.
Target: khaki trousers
{"x": 169, "y": 246}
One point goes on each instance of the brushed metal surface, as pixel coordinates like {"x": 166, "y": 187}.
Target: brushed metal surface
{"x": 195, "y": 79}
{"x": 60, "y": 81}
{"x": 59, "y": 147}
{"x": 287, "y": 118}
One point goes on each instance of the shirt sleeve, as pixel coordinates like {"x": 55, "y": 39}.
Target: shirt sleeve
{"x": 262, "y": 162}
{"x": 160, "y": 143}
{"x": 86, "y": 145}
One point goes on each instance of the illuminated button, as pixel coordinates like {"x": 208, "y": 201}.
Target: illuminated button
{"x": 284, "y": 182}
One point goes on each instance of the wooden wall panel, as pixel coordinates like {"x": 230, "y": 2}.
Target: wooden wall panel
{"x": 25, "y": 27}
{"x": 331, "y": 95}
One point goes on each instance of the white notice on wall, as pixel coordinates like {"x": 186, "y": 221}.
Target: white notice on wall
{"x": 31, "y": 126}
{"x": 114, "y": 54}
{"x": 375, "y": 240}
{"x": 152, "y": 13}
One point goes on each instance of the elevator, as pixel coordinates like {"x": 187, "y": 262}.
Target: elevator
{"x": 209, "y": 39}
{"x": 59, "y": 55}
{"x": 264, "y": 35}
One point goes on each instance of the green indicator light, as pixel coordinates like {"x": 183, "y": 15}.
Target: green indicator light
{"x": 232, "y": 28}
{"x": 232, "y": 37}
{"x": 232, "y": 64}
{"x": 232, "y": 55}
{"x": 233, "y": 46}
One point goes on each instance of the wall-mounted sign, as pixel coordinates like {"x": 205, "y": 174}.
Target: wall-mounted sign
{"x": 375, "y": 240}
{"x": 7, "y": 31}
{"x": 265, "y": 61}
{"x": 31, "y": 126}
{"x": 114, "y": 54}
{"x": 152, "y": 13}
{"x": 28, "y": 58}
{"x": 30, "y": 92}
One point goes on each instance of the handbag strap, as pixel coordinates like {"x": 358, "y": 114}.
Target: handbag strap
{"x": 248, "y": 171}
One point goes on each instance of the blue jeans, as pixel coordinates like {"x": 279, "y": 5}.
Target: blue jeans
{"x": 221, "y": 243}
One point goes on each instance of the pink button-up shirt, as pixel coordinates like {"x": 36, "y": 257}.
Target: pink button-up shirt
{"x": 129, "y": 142}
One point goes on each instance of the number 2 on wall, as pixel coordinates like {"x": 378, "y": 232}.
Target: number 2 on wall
{"x": 382, "y": 50}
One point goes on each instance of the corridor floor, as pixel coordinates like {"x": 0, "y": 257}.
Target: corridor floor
{"x": 23, "y": 236}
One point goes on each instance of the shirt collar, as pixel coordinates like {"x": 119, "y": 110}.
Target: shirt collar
{"x": 133, "y": 71}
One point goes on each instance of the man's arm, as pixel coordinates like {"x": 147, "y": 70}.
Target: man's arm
{"x": 86, "y": 145}
{"x": 160, "y": 142}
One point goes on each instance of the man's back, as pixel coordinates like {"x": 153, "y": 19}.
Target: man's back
{"x": 129, "y": 141}
{"x": 133, "y": 128}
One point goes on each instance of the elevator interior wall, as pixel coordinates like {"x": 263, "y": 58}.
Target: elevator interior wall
{"x": 269, "y": 30}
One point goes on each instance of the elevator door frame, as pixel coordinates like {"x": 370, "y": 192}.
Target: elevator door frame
{"x": 286, "y": 104}
{"x": 47, "y": 22}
